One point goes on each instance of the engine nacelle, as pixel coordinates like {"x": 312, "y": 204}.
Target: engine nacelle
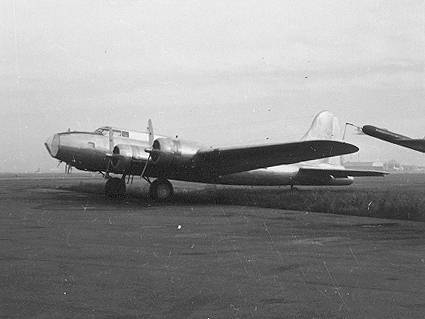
{"x": 123, "y": 155}
{"x": 167, "y": 151}
{"x": 341, "y": 181}
{"x": 325, "y": 179}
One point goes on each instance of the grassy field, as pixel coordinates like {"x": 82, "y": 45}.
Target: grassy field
{"x": 397, "y": 196}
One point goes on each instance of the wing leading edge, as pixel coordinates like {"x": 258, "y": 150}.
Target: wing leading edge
{"x": 223, "y": 161}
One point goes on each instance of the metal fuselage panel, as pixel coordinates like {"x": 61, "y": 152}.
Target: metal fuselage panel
{"x": 85, "y": 151}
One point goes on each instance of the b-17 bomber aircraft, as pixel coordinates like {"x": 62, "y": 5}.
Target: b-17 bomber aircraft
{"x": 395, "y": 138}
{"x": 130, "y": 153}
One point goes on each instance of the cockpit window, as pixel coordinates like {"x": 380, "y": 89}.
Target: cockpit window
{"x": 105, "y": 131}
{"x": 102, "y": 131}
{"x": 116, "y": 133}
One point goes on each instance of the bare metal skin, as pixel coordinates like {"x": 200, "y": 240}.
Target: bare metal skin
{"x": 129, "y": 153}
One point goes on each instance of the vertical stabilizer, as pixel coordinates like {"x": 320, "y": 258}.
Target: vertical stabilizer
{"x": 325, "y": 126}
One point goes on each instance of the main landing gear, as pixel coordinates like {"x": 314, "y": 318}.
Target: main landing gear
{"x": 159, "y": 190}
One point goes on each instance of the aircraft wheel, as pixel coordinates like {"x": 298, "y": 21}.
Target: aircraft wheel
{"x": 115, "y": 187}
{"x": 161, "y": 190}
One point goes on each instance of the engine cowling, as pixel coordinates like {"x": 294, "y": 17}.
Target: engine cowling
{"x": 325, "y": 179}
{"x": 167, "y": 151}
{"x": 124, "y": 155}
{"x": 341, "y": 181}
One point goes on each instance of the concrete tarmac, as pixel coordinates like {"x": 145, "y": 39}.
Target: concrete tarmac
{"x": 69, "y": 254}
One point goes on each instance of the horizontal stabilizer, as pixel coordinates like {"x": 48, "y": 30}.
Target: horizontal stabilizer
{"x": 342, "y": 173}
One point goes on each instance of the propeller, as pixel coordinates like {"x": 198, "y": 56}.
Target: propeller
{"x": 109, "y": 155}
{"x": 148, "y": 149}
{"x": 150, "y": 131}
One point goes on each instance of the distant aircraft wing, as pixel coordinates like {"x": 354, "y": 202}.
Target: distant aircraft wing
{"x": 415, "y": 144}
{"x": 341, "y": 173}
{"x": 395, "y": 138}
{"x": 223, "y": 161}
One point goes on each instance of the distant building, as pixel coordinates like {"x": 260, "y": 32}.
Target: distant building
{"x": 377, "y": 165}
{"x": 389, "y": 166}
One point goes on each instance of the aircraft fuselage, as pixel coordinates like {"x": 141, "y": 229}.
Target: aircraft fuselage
{"x": 90, "y": 151}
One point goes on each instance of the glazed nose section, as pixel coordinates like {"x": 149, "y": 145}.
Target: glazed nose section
{"x": 52, "y": 144}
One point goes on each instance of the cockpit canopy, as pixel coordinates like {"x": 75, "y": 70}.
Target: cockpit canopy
{"x": 116, "y": 132}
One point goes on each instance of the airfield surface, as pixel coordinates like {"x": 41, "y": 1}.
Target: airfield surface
{"x": 72, "y": 254}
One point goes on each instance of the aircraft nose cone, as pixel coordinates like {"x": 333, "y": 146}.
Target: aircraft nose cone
{"x": 52, "y": 145}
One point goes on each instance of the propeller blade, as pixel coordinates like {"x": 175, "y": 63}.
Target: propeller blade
{"x": 111, "y": 140}
{"x": 150, "y": 132}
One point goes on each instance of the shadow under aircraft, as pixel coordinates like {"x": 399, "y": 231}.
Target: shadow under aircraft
{"x": 158, "y": 159}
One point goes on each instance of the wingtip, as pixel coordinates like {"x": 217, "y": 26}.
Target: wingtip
{"x": 348, "y": 148}
{"x": 354, "y": 148}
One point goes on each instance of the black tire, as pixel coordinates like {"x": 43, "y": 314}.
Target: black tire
{"x": 161, "y": 190}
{"x": 115, "y": 188}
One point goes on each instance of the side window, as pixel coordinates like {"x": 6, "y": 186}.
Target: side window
{"x": 124, "y": 134}
{"x": 116, "y": 133}
{"x": 91, "y": 144}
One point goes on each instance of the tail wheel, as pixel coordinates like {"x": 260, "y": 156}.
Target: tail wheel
{"x": 161, "y": 190}
{"x": 115, "y": 187}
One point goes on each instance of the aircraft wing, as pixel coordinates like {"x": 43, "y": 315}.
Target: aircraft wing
{"x": 223, "y": 161}
{"x": 341, "y": 173}
{"x": 415, "y": 144}
{"x": 395, "y": 138}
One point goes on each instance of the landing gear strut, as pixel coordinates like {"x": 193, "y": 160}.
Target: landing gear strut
{"x": 115, "y": 187}
{"x": 161, "y": 190}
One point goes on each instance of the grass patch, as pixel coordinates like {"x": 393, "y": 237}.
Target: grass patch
{"x": 394, "y": 197}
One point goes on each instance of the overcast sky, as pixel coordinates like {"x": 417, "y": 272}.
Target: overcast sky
{"x": 219, "y": 72}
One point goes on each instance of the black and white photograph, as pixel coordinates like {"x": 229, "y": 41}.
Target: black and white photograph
{"x": 212, "y": 159}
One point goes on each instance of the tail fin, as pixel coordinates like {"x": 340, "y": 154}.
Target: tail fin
{"x": 325, "y": 126}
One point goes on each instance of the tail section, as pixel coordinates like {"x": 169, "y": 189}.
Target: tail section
{"x": 325, "y": 126}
